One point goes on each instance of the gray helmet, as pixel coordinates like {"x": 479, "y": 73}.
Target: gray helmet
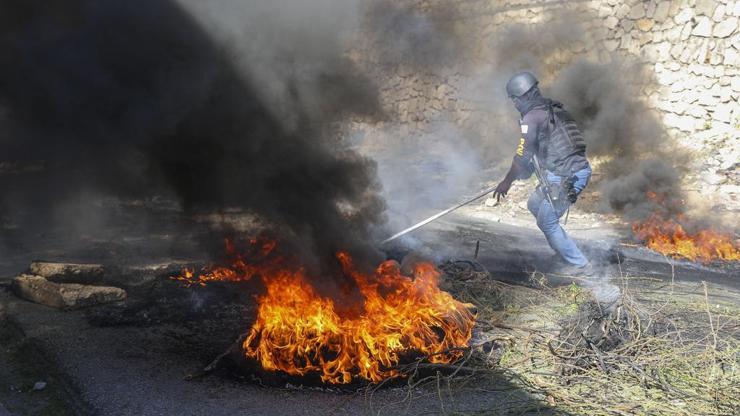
{"x": 520, "y": 83}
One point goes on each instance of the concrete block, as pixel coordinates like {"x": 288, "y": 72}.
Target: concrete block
{"x": 68, "y": 272}
{"x": 64, "y": 295}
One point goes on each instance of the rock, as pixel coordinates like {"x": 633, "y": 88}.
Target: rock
{"x": 705, "y": 7}
{"x": 684, "y": 16}
{"x": 678, "y": 107}
{"x": 656, "y": 52}
{"x": 684, "y": 123}
{"x": 686, "y": 31}
{"x": 64, "y": 295}
{"x": 730, "y": 189}
{"x": 676, "y": 50}
{"x": 611, "y": 22}
{"x": 719, "y": 13}
{"x": 686, "y": 55}
{"x": 700, "y": 55}
{"x": 68, "y": 272}
{"x": 650, "y": 9}
{"x": 722, "y": 113}
{"x": 735, "y": 41}
{"x": 645, "y": 38}
{"x": 735, "y": 84}
{"x": 725, "y": 28}
{"x": 611, "y": 45}
{"x": 712, "y": 178}
{"x": 621, "y": 11}
{"x": 637, "y": 11}
{"x": 675, "y": 7}
{"x": 716, "y": 90}
{"x": 678, "y": 86}
{"x": 731, "y": 57}
{"x": 706, "y": 99}
{"x": 715, "y": 58}
{"x": 490, "y": 202}
{"x": 630, "y": 44}
{"x": 666, "y": 24}
{"x": 645, "y": 24}
{"x": 695, "y": 111}
{"x": 703, "y": 28}
{"x": 662, "y": 50}
{"x": 729, "y": 160}
{"x": 661, "y": 11}
{"x": 700, "y": 69}
{"x": 39, "y": 385}
{"x": 668, "y": 77}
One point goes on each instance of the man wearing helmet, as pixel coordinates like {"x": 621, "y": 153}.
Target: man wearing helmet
{"x": 550, "y": 134}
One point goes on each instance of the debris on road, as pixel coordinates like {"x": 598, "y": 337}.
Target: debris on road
{"x": 64, "y": 295}
{"x": 68, "y": 272}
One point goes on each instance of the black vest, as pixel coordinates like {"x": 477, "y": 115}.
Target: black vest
{"x": 562, "y": 149}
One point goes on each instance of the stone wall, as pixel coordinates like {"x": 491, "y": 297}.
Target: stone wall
{"x": 694, "y": 47}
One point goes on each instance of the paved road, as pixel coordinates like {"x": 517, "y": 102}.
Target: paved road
{"x": 139, "y": 370}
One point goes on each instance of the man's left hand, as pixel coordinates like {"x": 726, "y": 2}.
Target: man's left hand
{"x": 501, "y": 190}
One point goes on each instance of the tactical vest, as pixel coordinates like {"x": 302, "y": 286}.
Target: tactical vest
{"x": 562, "y": 147}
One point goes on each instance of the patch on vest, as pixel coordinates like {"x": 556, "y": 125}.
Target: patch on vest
{"x": 525, "y": 128}
{"x": 520, "y": 148}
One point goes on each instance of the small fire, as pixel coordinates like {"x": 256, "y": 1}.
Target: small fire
{"x": 297, "y": 331}
{"x": 668, "y": 236}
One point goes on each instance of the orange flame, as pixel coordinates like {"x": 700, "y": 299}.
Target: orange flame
{"x": 297, "y": 331}
{"x": 668, "y": 236}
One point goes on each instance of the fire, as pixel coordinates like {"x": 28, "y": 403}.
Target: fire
{"x": 669, "y": 237}
{"x": 297, "y": 331}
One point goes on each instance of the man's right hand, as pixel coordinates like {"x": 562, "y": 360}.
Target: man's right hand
{"x": 501, "y": 190}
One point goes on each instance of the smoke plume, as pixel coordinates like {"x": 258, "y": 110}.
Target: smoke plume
{"x": 401, "y": 34}
{"x": 636, "y": 151}
{"x": 136, "y": 99}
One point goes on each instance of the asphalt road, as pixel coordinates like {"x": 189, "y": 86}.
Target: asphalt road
{"x": 141, "y": 369}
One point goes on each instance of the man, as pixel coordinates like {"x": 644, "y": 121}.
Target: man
{"x": 550, "y": 135}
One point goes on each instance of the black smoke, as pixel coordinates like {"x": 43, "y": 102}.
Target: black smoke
{"x": 132, "y": 99}
{"x": 638, "y": 159}
{"x": 401, "y": 34}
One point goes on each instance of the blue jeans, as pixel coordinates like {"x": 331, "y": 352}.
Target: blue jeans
{"x": 548, "y": 218}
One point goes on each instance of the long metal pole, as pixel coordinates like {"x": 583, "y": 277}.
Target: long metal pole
{"x": 436, "y": 216}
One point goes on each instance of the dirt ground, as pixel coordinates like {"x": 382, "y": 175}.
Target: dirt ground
{"x": 135, "y": 359}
